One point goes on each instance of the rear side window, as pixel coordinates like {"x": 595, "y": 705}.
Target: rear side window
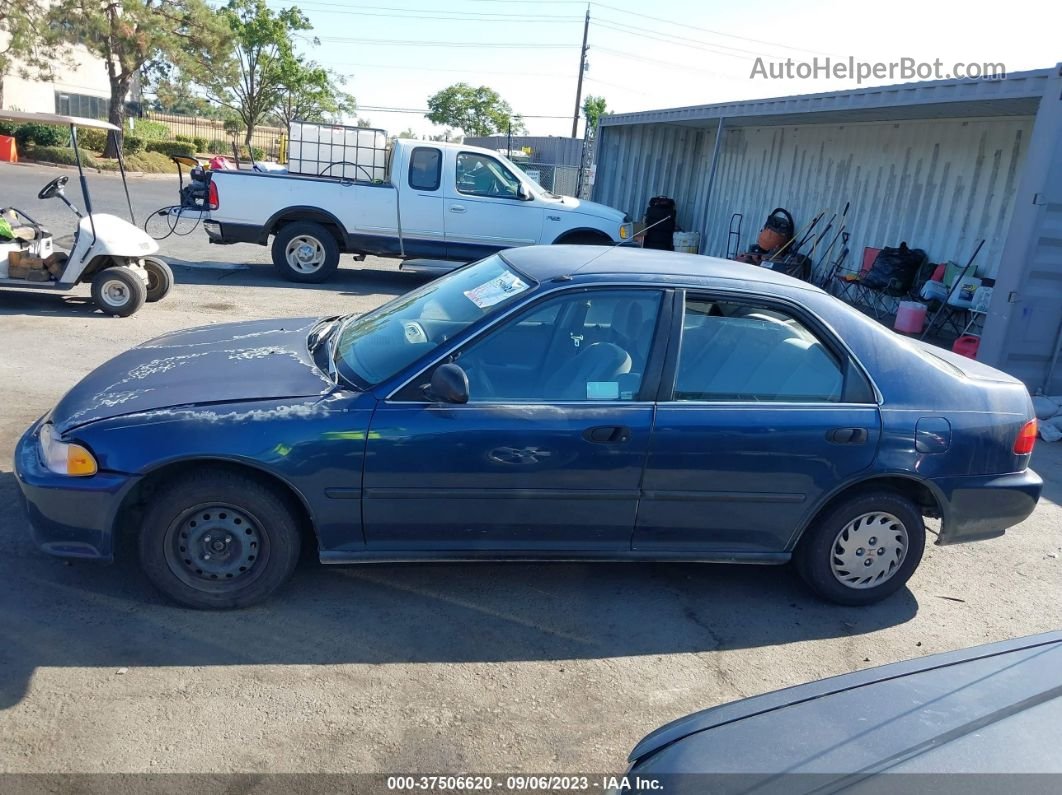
{"x": 739, "y": 352}
{"x": 425, "y": 168}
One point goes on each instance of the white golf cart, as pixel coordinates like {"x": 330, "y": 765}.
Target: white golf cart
{"x": 110, "y": 253}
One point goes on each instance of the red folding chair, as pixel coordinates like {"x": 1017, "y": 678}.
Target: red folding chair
{"x": 849, "y": 282}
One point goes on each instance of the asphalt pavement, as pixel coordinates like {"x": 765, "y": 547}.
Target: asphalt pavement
{"x": 402, "y": 668}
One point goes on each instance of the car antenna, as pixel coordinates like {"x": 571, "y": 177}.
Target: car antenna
{"x": 607, "y": 250}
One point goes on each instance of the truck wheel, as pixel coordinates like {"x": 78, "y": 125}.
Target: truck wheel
{"x": 863, "y": 549}
{"x": 584, "y": 239}
{"x": 160, "y": 279}
{"x": 305, "y": 252}
{"x": 118, "y": 291}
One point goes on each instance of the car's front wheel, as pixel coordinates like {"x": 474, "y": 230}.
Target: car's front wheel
{"x": 218, "y": 539}
{"x": 862, "y": 549}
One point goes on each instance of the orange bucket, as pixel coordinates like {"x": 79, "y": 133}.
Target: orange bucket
{"x": 8, "y": 150}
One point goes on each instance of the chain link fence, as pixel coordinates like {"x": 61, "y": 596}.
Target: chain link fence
{"x": 562, "y": 180}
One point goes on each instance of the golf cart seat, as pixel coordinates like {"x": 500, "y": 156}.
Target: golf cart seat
{"x": 22, "y": 226}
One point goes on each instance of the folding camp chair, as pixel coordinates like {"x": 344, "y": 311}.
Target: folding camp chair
{"x": 947, "y": 313}
{"x": 849, "y": 282}
{"x": 877, "y": 299}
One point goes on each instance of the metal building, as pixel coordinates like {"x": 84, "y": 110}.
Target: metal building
{"x": 940, "y": 165}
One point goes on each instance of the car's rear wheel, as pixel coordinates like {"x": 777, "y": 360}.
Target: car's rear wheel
{"x": 218, "y": 540}
{"x": 862, "y": 549}
{"x": 304, "y": 251}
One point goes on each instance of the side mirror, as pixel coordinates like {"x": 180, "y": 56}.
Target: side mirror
{"x": 523, "y": 193}
{"x": 449, "y": 383}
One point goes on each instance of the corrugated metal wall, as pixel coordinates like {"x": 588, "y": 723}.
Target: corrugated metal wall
{"x": 940, "y": 185}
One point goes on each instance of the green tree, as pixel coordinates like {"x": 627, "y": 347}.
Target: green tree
{"x": 28, "y": 45}
{"x": 131, "y": 33}
{"x": 364, "y": 122}
{"x": 249, "y": 79}
{"x": 310, "y": 92}
{"x": 593, "y": 109}
{"x": 477, "y": 111}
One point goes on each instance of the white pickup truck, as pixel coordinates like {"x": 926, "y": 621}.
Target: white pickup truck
{"x": 434, "y": 205}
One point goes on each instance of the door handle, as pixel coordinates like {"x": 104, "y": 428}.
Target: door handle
{"x": 607, "y": 434}
{"x": 847, "y": 435}
{"x": 457, "y": 208}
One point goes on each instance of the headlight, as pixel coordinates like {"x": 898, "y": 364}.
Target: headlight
{"x": 626, "y": 230}
{"x": 64, "y": 458}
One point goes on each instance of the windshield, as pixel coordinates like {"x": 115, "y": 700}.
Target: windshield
{"x": 378, "y": 345}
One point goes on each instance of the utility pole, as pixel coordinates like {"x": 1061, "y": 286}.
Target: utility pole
{"x": 582, "y": 68}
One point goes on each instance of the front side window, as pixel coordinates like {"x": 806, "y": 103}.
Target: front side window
{"x": 741, "y": 352}
{"x": 480, "y": 175}
{"x": 587, "y": 345}
{"x": 425, "y": 168}
{"x": 379, "y": 344}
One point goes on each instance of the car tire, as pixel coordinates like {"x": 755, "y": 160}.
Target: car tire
{"x": 160, "y": 279}
{"x": 862, "y": 549}
{"x": 118, "y": 290}
{"x": 305, "y": 252}
{"x": 218, "y": 540}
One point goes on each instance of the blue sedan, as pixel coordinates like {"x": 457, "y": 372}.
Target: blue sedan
{"x": 554, "y": 403}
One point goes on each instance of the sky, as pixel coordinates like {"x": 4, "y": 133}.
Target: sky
{"x": 642, "y": 55}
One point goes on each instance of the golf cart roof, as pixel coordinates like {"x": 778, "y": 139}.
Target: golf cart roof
{"x": 54, "y": 118}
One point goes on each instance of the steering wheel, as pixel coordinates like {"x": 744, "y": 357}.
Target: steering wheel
{"x": 51, "y": 190}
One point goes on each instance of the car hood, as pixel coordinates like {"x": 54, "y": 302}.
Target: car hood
{"x": 978, "y": 710}
{"x": 593, "y": 209}
{"x": 257, "y": 360}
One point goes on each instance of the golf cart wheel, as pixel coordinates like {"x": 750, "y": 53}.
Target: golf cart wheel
{"x": 118, "y": 290}
{"x": 218, "y": 540}
{"x": 305, "y": 252}
{"x": 863, "y": 549}
{"x": 160, "y": 279}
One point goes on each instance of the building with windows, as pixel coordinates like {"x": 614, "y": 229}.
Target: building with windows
{"x": 80, "y": 88}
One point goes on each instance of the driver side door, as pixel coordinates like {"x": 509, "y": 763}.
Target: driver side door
{"x": 484, "y": 212}
{"x": 547, "y": 455}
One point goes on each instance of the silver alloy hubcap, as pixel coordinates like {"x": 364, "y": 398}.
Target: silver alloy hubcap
{"x": 115, "y": 293}
{"x": 869, "y": 550}
{"x": 305, "y": 254}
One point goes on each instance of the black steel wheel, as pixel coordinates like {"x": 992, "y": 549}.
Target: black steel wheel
{"x": 218, "y": 539}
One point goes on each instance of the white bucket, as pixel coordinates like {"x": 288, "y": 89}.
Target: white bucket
{"x": 687, "y": 242}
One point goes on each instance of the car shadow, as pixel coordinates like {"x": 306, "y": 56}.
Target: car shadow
{"x": 351, "y": 279}
{"x": 63, "y": 614}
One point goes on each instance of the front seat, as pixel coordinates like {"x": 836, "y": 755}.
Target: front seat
{"x": 601, "y": 361}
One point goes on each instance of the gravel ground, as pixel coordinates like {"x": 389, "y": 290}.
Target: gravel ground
{"x": 429, "y": 668}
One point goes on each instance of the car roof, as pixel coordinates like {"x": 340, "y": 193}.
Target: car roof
{"x": 544, "y": 263}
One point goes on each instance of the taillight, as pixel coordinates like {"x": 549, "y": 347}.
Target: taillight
{"x": 1023, "y": 445}
{"x": 212, "y": 196}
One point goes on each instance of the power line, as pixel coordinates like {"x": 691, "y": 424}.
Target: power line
{"x": 423, "y": 111}
{"x": 687, "y": 26}
{"x": 456, "y": 71}
{"x": 458, "y": 44}
{"x": 424, "y": 13}
{"x": 682, "y": 41}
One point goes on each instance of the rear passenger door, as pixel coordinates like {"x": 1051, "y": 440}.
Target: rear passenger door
{"x": 763, "y": 414}
{"x": 421, "y": 204}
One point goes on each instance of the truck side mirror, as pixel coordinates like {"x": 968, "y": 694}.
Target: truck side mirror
{"x": 523, "y": 193}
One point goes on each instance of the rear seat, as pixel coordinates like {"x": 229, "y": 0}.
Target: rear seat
{"x": 747, "y": 358}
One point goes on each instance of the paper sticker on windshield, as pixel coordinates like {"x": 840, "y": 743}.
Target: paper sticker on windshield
{"x": 496, "y": 290}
